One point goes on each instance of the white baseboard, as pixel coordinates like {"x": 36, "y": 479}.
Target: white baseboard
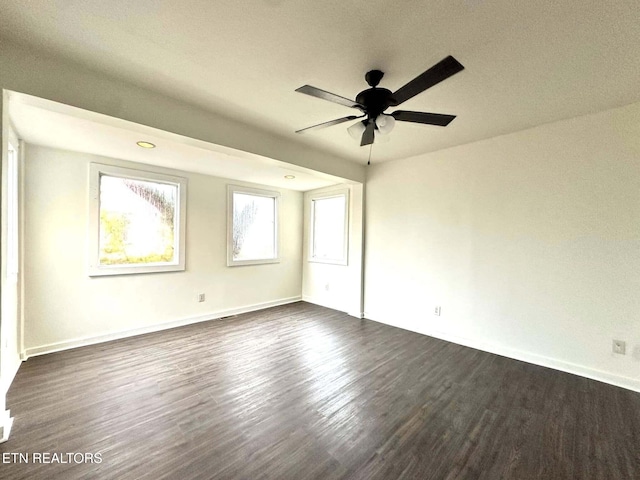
{"x": 315, "y": 301}
{"x": 84, "y": 341}
{"x": 322, "y": 303}
{"x": 529, "y": 357}
{"x": 6, "y": 422}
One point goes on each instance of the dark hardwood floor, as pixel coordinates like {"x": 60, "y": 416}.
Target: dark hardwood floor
{"x": 304, "y": 392}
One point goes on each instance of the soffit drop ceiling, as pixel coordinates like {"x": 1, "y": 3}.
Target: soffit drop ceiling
{"x": 527, "y": 63}
{"x": 43, "y": 122}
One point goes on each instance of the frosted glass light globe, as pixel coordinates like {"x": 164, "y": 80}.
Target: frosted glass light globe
{"x": 385, "y": 123}
{"x": 356, "y": 130}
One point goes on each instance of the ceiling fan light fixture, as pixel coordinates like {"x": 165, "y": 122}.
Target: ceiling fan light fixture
{"x": 385, "y": 123}
{"x": 357, "y": 129}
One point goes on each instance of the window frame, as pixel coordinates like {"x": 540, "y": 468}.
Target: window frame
{"x": 258, "y": 192}
{"x": 96, "y": 170}
{"x": 312, "y": 225}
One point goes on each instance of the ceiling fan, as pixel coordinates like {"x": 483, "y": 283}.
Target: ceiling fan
{"x": 374, "y": 101}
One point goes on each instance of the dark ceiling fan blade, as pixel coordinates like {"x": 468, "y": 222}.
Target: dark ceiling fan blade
{"x": 368, "y": 134}
{"x": 423, "y": 117}
{"x": 439, "y": 72}
{"x": 329, "y": 124}
{"x": 332, "y": 97}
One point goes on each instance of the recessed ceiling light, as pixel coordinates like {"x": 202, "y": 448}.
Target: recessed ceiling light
{"x": 145, "y": 144}
{"x": 289, "y": 177}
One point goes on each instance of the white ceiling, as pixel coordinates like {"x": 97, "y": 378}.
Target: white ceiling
{"x": 43, "y": 122}
{"x": 527, "y": 63}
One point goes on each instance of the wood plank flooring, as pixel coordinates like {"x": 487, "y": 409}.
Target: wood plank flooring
{"x": 304, "y": 392}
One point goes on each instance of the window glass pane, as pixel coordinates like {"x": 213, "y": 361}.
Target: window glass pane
{"x": 254, "y": 227}
{"x": 137, "y": 221}
{"x": 328, "y": 228}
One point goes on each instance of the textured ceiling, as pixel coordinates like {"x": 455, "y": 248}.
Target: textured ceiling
{"x": 526, "y": 63}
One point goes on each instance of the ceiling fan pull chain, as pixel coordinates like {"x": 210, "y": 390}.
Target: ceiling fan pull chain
{"x": 370, "y": 148}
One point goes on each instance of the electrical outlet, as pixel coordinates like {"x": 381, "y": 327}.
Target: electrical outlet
{"x": 437, "y": 311}
{"x": 201, "y": 297}
{"x": 327, "y": 287}
{"x": 619, "y": 347}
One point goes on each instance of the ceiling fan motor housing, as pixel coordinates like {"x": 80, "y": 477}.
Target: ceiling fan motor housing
{"x": 375, "y": 100}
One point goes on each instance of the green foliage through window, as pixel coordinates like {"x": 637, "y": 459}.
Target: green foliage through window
{"x": 137, "y": 221}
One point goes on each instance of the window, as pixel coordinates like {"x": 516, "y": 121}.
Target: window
{"x": 329, "y": 227}
{"x": 252, "y": 226}
{"x": 137, "y": 221}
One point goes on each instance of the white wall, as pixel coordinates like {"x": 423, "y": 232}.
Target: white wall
{"x": 336, "y": 286}
{"x": 530, "y": 243}
{"x": 10, "y": 303}
{"x": 9, "y": 284}
{"x": 64, "y": 307}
